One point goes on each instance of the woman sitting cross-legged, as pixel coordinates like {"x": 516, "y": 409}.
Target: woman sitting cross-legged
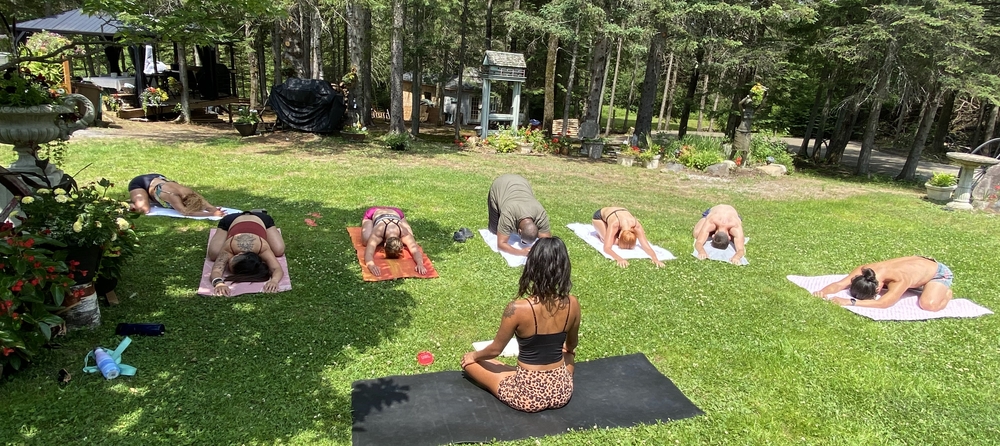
{"x": 248, "y": 245}
{"x": 156, "y": 190}
{"x": 546, "y": 321}
{"x": 616, "y": 225}
{"x": 388, "y": 226}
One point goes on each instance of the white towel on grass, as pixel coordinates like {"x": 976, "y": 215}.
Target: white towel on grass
{"x": 515, "y": 241}
{"x": 722, "y": 255}
{"x": 156, "y": 211}
{"x": 587, "y": 232}
{"x": 508, "y": 350}
{"x": 904, "y": 310}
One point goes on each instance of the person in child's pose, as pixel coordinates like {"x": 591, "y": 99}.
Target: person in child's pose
{"x": 897, "y": 275}
{"x": 248, "y": 245}
{"x": 721, "y": 223}
{"x": 388, "y": 226}
{"x": 156, "y": 190}
{"x": 616, "y": 225}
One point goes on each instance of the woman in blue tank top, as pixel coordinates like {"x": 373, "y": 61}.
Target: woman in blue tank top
{"x": 545, "y": 319}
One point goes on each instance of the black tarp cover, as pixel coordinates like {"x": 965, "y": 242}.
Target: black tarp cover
{"x": 310, "y": 105}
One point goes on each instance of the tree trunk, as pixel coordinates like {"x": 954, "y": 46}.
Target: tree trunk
{"x": 417, "y": 84}
{"x": 598, "y": 68}
{"x": 944, "y": 122}
{"x": 185, "y": 116}
{"x": 644, "y": 116}
{"x": 252, "y": 33}
{"x": 549, "y": 107}
{"x": 515, "y": 5}
{"x": 824, "y": 117}
{"x": 871, "y": 128}
{"x": 358, "y": 20}
{"x": 461, "y": 70}
{"x": 604, "y": 84}
{"x": 670, "y": 93}
{"x": 904, "y": 109}
{"x": 991, "y": 123}
{"x": 666, "y": 93}
{"x": 704, "y": 96}
{"x": 631, "y": 93}
{"x": 572, "y": 72}
{"x": 689, "y": 97}
{"x": 927, "y": 113}
{"x": 276, "y": 52}
{"x": 844, "y": 129}
{"x": 315, "y": 48}
{"x": 489, "y": 27}
{"x": 804, "y": 148}
{"x": 396, "y": 73}
{"x": 614, "y": 86}
{"x": 262, "y": 92}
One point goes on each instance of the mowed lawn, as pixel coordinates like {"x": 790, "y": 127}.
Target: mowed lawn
{"x": 766, "y": 361}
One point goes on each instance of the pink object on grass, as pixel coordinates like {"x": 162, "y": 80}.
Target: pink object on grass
{"x": 425, "y": 358}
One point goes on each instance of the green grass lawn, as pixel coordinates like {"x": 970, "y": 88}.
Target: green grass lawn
{"x": 767, "y": 362}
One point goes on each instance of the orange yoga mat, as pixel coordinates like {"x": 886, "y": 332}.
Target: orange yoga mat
{"x": 400, "y": 268}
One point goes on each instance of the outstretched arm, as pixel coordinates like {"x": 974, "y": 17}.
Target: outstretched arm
{"x": 418, "y": 255}
{"x": 218, "y": 269}
{"x": 271, "y": 286}
{"x": 609, "y": 242}
{"x": 640, "y": 234}
{"x": 503, "y": 244}
{"x": 373, "y": 243}
{"x": 839, "y": 285}
{"x": 700, "y": 239}
{"x": 739, "y": 241}
{"x": 887, "y": 300}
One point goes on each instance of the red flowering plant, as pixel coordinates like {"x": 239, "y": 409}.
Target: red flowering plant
{"x": 33, "y": 282}
{"x": 629, "y": 151}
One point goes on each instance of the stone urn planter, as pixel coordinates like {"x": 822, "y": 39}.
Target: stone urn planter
{"x": 653, "y": 163}
{"x": 593, "y": 149}
{"x": 626, "y": 161}
{"x": 525, "y": 147}
{"x": 27, "y": 127}
{"x": 246, "y": 129}
{"x": 939, "y": 194}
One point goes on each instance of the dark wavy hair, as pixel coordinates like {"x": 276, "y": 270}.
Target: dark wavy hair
{"x": 864, "y": 286}
{"x": 546, "y": 274}
{"x": 248, "y": 267}
{"x": 720, "y": 240}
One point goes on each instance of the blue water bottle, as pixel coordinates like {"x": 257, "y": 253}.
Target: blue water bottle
{"x": 106, "y": 363}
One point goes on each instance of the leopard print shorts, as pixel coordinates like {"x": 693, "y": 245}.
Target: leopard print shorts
{"x": 536, "y": 390}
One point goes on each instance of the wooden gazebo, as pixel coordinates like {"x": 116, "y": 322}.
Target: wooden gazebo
{"x": 506, "y": 67}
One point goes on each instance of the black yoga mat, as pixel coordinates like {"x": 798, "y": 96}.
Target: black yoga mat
{"x": 444, "y": 407}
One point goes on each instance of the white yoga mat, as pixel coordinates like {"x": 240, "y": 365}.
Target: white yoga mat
{"x": 509, "y": 350}
{"x": 515, "y": 241}
{"x": 722, "y": 255}
{"x": 904, "y": 310}
{"x": 587, "y": 232}
{"x": 156, "y": 211}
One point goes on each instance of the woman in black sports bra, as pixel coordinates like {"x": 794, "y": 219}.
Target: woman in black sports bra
{"x": 156, "y": 190}
{"x": 387, "y": 226}
{"x": 545, "y": 319}
{"x": 248, "y": 245}
{"x": 616, "y": 225}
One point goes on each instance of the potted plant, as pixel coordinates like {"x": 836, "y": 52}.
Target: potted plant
{"x": 940, "y": 187}
{"x": 246, "y": 121}
{"x": 354, "y": 132}
{"x": 152, "y": 97}
{"x": 503, "y": 141}
{"x": 34, "y": 111}
{"x": 627, "y": 155}
{"x": 84, "y": 219}
{"x": 33, "y": 281}
{"x": 396, "y": 141}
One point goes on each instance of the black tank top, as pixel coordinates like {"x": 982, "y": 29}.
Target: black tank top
{"x": 542, "y": 349}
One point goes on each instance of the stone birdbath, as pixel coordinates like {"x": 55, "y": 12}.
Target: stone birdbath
{"x": 969, "y": 163}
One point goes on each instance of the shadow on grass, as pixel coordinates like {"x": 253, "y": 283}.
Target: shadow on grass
{"x": 252, "y": 368}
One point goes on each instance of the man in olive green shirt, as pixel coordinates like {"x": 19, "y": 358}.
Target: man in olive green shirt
{"x": 513, "y": 209}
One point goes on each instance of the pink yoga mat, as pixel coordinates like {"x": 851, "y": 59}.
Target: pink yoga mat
{"x": 904, "y": 310}
{"x": 235, "y": 289}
